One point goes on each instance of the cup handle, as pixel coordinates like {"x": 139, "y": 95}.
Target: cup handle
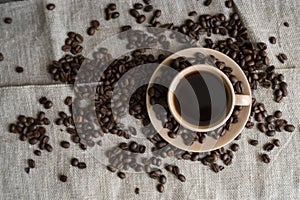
{"x": 242, "y": 100}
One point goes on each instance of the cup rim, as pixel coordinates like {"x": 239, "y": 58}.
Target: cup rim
{"x": 175, "y": 82}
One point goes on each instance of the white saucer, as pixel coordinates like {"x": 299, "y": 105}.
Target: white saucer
{"x": 209, "y": 143}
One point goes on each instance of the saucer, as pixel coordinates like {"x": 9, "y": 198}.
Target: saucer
{"x": 210, "y": 143}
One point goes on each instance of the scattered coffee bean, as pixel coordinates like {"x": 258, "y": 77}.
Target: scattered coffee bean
{"x": 48, "y": 147}
{"x": 95, "y": 24}
{"x": 234, "y": 147}
{"x": 63, "y": 178}
{"x": 1, "y": 57}
{"x": 270, "y": 133}
{"x": 137, "y": 190}
{"x": 68, "y": 101}
{"x": 19, "y": 69}
{"x": 162, "y": 179}
{"x": 160, "y": 188}
{"x": 112, "y": 6}
{"x": 193, "y": 14}
{"x": 229, "y": 3}
{"x": 140, "y": 19}
{"x": 74, "y": 162}
{"x": 181, "y": 177}
{"x": 253, "y": 142}
{"x": 268, "y": 146}
{"x": 289, "y": 128}
{"x": 50, "y": 6}
{"x": 43, "y": 100}
{"x": 91, "y": 31}
{"x": 207, "y": 2}
{"x": 65, "y": 144}
{"x": 278, "y": 114}
{"x": 265, "y": 158}
{"x": 81, "y": 165}
{"x": 115, "y": 15}
{"x": 37, "y": 152}
{"x": 147, "y": 1}
{"x": 48, "y": 104}
{"x": 7, "y": 20}
{"x": 27, "y": 170}
{"x": 286, "y": 24}
{"x": 138, "y": 6}
{"x": 121, "y": 175}
{"x": 31, "y": 163}
{"x": 148, "y": 8}
{"x": 272, "y": 40}
{"x": 276, "y": 142}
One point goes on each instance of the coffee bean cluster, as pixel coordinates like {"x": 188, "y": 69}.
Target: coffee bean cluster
{"x": 72, "y": 43}
{"x": 95, "y": 26}
{"x": 110, "y": 11}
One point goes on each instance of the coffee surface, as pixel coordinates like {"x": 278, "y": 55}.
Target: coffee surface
{"x": 201, "y": 98}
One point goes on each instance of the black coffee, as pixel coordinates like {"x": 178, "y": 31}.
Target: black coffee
{"x": 201, "y": 98}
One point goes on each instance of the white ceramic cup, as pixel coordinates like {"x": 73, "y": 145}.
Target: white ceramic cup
{"x": 233, "y": 99}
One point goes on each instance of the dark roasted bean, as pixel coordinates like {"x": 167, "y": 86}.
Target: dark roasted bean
{"x": 19, "y": 69}
{"x": 276, "y": 142}
{"x": 1, "y": 57}
{"x": 134, "y": 13}
{"x": 157, "y": 13}
{"x": 207, "y": 2}
{"x": 272, "y": 40}
{"x": 37, "y": 152}
{"x": 234, "y": 147}
{"x": 112, "y": 6}
{"x": 91, "y": 31}
{"x": 43, "y": 100}
{"x": 121, "y": 175}
{"x": 278, "y": 114}
{"x": 193, "y": 14}
{"x": 48, "y": 104}
{"x": 289, "y": 128}
{"x": 253, "y": 142}
{"x": 286, "y": 24}
{"x": 137, "y": 190}
{"x": 160, "y": 188}
{"x": 147, "y": 1}
{"x": 74, "y": 162}
{"x": 140, "y": 19}
{"x": 48, "y": 147}
{"x": 7, "y": 20}
{"x": 228, "y": 3}
{"x": 215, "y": 167}
{"x": 95, "y": 24}
{"x": 138, "y": 6}
{"x": 27, "y": 170}
{"x": 268, "y": 147}
{"x": 31, "y": 163}
{"x": 270, "y": 133}
{"x": 115, "y": 15}
{"x": 81, "y": 165}
{"x": 265, "y": 158}
{"x": 148, "y": 8}
{"x": 181, "y": 177}
{"x": 162, "y": 179}
{"x": 68, "y": 101}
{"x": 65, "y": 144}
{"x": 63, "y": 178}
{"x": 50, "y": 6}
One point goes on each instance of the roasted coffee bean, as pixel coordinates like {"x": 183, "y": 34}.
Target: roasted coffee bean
{"x": 192, "y": 14}
{"x": 50, "y": 6}
{"x": 253, "y": 142}
{"x": 91, "y": 31}
{"x": 19, "y": 69}
{"x": 181, "y": 177}
{"x": 7, "y": 20}
{"x": 286, "y": 24}
{"x": 63, "y": 178}
{"x": 121, "y": 175}
{"x": 207, "y": 2}
{"x": 48, "y": 147}
{"x": 33, "y": 141}
{"x": 234, "y": 147}
{"x": 31, "y": 163}
{"x": 215, "y": 167}
{"x": 228, "y": 3}
{"x": 112, "y": 6}
{"x": 276, "y": 142}
{"x": 272, "y": 40}
{"x": 148, "y": 8}
{"x": 270, "y": 119}
{"x": 133, "y": 146}
{"x": 268, "y": 146}
{"x": 74, "y": 162}
{"x": 37, "y": 152}
{"x": 142, "y": 149}
{"x": 65, "y": 144}
{"x": 160, "y": 188}
{"x": 81, "y": 165}
{"x": 138, "y": 6}
{"x": 125, "y": 28}
{"x": 265, "y": 158}
{"x": 111, "y": 169}
{"x": 1, "y": 57}
{"x": 175, "y": 170}
{"x": 115, "y": 15}
{"x": 278, "y": 114}
{"x": 261, "y": 127}
{"x": 43, "y": 100}
{"x": 27, "y": 170}
{"x": 147, "y": 1}
{"x": 169, "y": 168}
{"x": 289, "y": 128}
{"x": 157, "y": 13}
{"x": 68, "y": 101}
{"x": 162, "y": 179}
{"x": 137, "y": 190}
{"x": 270, "y": 133}
{"x": 134, "y": 13}
{"x": 48, "y": 104}
{"x": 140, "y": 19}
{"x": 95, "y": 24}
